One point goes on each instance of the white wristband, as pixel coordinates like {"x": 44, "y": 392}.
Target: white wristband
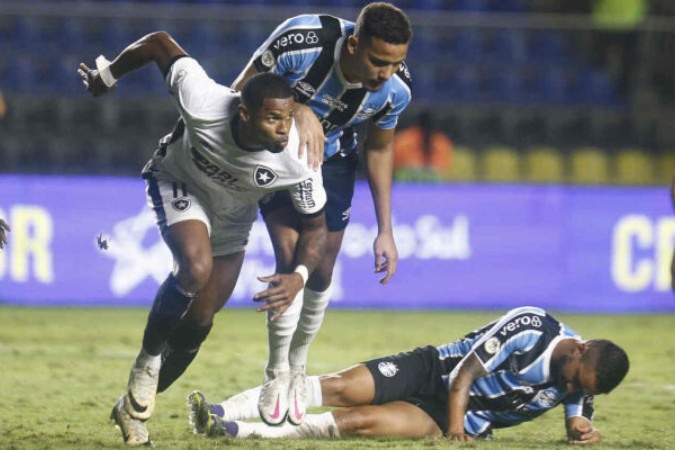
{"x": 103, "y": 67}
{"x": 304, "y": 273}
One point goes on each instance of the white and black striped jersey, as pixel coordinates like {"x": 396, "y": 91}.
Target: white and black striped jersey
{"x": 516, "y": 352}
{"x": 202, "y": 150}
{"x": 305, "y": 50}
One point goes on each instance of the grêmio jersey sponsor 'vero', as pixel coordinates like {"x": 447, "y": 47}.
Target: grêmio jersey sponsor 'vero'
{"x": 305, "y": 50}
{"x": 516, "y": 352}
{"x": 202, "y": 152}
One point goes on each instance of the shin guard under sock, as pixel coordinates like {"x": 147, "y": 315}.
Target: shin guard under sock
{"x": 181, "y": 351}
{"x": 170, "y": 305}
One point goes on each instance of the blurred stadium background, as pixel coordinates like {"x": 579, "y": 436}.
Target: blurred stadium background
{"x": 516, "y": 83}
{"x": 534, "y": 92}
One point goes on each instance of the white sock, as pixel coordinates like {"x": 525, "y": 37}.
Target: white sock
{"x": 279, "y": 335}
{"x": 244, "y": 405}
{"x": 145, "y": 359}
{"x": 311, "y": 318}
{"x": 314, "y": 394}
{"x": 314, "y": 426}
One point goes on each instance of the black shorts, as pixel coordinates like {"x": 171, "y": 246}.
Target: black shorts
{"x": 339, "y": 175}
{"x": 415, "y": 377}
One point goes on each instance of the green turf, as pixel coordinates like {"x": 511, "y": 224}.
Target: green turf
{"x": 62, "y": 369}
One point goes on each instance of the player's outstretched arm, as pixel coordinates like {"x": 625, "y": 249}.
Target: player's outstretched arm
{"x": 4, "y": 228}
{"x": 284, "y": 287}
{"x": 580, "y": 431}
{"x": 158, "y": 47}
{"x": 379, "y": 150}
{"x": 458, "y": 396}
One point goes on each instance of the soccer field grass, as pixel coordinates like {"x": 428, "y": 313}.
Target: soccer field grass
{"x": 62, "y": 370}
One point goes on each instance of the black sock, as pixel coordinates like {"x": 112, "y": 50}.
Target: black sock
{"x": 182, "y": 349}
{"x": 170, "y": 305}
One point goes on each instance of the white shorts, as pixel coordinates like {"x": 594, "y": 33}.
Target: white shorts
{"x": 173, "y": 202}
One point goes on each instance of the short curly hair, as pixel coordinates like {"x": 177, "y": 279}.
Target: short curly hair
{"x": 264, "y": 85}
{"x": 608, "y": 361}
{"x": 383, "y": 21}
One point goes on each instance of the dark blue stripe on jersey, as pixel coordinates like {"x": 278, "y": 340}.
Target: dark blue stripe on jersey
{"x": 352, "y": 98}
{"x": 512, "y": 400}
{"x": 525, "y": 359}
{"x": 403, "y": 73}
{"x": 518, "y": 324}
{"x": 329, "y": 33}
{"x": 347, "y": 140}
{"x": 378, "y": 115}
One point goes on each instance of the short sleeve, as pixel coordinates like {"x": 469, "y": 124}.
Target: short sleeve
{"x": 579, "y": 405}
{"x": 309, "y": 196}
{"x": 197, "y": 95}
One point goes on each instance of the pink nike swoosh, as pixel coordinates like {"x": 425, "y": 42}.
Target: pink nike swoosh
{"x": 295, "y": 412}
{"x": 276, "y": 410}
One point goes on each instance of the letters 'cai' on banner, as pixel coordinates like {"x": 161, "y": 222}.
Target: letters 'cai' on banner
{"x": 460, "y": 246}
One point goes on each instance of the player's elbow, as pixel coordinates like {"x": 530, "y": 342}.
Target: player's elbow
{"x": 162, "y": 48}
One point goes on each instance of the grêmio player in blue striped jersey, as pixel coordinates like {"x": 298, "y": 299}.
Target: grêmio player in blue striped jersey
{"x": 342, "y": 73}
{"x": 508, "y": 372}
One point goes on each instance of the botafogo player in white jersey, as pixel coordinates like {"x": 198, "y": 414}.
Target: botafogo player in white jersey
{"x": 228, "y": 150}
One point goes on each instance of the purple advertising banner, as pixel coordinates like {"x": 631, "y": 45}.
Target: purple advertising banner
{"x": 564, "y": 248}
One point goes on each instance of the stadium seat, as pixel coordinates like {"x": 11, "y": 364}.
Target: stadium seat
{"x": 28, "y": 31}
{"x": 462, "y": 164}
{"x": 506, "y": 45}
{"x": 467, "y": 45}
{"x": 11, "y": 147}
{"x": 549, "y": 46}
{"x": 596, "y": 88}
{"x": 461, "y": 82}
{"x": 501, "y": 164}
{"x": 507, "y": 85}
{"x": 544, "y": 165}
{"x": 634, "y": 166}
{"x": 553, "y": 83}
{"x": 589, "y": 165}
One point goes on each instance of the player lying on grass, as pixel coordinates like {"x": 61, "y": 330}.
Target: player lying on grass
{"x": 228, "y": 150}
{"x": 505, "y": 373}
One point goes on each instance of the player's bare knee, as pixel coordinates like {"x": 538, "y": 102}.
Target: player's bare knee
{"x": 355, "y": 421}
{"x": 194, "y": 273}
{"x": 339, "y": 391}
{"x": 321, "y": 278}
{"x": 333, "y": 389}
